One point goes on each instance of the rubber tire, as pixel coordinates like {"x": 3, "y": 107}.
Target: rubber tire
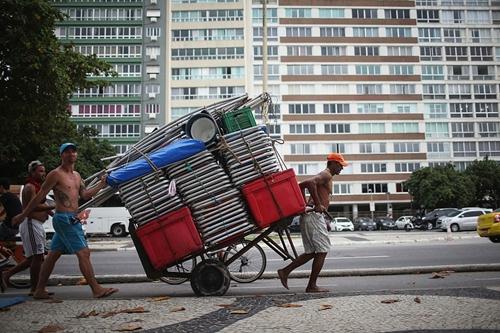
{"x": 118, "y": 230}
{"x": 210, "y": 278}
{"x": 407, "y": 227}
{"x": 454, "y": 227}
{"x": 181, "y": 269}
{"x": 262, "y": 268}
{"x": 495, "y": 239}
{"x": 429, "y": 226}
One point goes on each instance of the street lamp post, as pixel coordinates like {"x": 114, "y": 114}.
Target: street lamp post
{"x": 372, "y": 204}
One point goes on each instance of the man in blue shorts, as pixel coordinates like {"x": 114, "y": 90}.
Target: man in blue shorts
{"x": 69, "y": 238}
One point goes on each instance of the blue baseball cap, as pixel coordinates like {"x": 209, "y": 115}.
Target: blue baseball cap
{"x": 65, "y": 146}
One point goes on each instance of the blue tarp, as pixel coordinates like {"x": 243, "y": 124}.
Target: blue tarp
{"x": 172, "y": 153}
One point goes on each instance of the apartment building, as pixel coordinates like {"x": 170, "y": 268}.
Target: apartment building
{"x": 127, "y": 34}
{"x": 394, "y": 85}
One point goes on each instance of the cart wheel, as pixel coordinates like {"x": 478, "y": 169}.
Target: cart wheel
{"x": 249, "y": 266}
{"x": 210, "y": 278}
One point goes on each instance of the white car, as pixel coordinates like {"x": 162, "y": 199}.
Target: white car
{"x": 462, "y": 219}
{"x": 404, "y": 222}
{"x": 341, "y": 224}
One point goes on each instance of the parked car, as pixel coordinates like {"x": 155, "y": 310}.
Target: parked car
{"x": 294, "y": 226}
{"x": 341, "y": 224}
{"x": 429, "y": 221}
{"x": 404, "y": 222}
{"x": 385, "y": 223}
{"x": 364, "y": 223}
{"x": 462, "y": 220}
{"x": 488, "y": 225}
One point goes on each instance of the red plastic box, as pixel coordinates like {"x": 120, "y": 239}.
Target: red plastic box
{"x": 274, "y": 197}
{"x": 169, "y": 238}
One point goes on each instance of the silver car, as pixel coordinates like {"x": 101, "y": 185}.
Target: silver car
{"x": 462, "y": 219}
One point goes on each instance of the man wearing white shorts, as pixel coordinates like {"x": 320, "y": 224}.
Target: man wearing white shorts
{"x": 31, "y": 228}
{"x": 313, "y": 226}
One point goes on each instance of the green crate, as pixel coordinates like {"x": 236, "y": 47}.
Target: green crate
{"x": 238, "y": 120}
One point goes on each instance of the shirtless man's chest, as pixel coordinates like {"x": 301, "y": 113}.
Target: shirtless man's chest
{"x": 67, "y": 190}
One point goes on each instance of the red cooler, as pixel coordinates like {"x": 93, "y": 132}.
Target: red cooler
{"x": 169, "y": 238}
{"x": 274, "y": 197}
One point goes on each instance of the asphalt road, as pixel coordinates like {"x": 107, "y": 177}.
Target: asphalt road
{"x": 471, "y": 251}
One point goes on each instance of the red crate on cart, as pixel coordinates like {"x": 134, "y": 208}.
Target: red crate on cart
{"x": 169, "y": 238}
{"x": 274, "y": 197}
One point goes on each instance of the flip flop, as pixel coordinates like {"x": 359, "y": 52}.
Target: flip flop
{"x": 107, "y": 292}
{"x": 50, "y": 293}
{"x": 44, "y": 297}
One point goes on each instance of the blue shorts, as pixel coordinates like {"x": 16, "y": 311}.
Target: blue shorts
{"x": 68, "y": 237}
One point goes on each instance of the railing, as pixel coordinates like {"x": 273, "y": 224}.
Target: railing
{"x": 208, "y": 19}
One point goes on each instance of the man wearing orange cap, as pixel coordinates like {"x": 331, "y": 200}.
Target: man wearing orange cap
{"x": 313, "y": 226}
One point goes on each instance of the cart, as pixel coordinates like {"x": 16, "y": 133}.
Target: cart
{"x": 203, "y": 192}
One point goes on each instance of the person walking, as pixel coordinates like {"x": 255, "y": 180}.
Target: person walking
{"x": 313, "y": 226}
{"x": 11, "y": 207}
{"x": 31, "y": 229}
{"x": 69, "y": 238}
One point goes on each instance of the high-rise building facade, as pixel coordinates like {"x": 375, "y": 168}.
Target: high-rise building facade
{"x": 394, "y": 85}
{"x": 127, "y": 34}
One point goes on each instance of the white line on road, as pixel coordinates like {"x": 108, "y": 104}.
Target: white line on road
{"x": 487, "y": 279}
{"x": 342, "y": 258}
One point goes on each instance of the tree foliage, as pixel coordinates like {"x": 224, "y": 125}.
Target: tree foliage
{"x": 37, "y": 76}
{"x": 443, "y": 186}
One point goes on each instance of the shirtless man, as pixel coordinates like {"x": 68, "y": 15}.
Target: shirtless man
{"x": 313, "y": 226}
{"x": 69, "y": 237}
{"x": 31, "y": 229}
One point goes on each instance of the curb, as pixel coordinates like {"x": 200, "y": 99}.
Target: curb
{"x": 136, "y": 278}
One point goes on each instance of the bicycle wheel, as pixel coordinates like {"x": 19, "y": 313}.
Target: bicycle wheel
{"x": 184, "y": 267}
{"x": 248, "y": 267}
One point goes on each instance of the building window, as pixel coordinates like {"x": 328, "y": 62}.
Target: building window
{"x": 369, "y": 89}
{"x": 428, "y": 53}
{"x": 301, "y": 108}
{"x": 461, "y": 110}
{"x": 339, "y": 148}
{"x": 298, "y": 12}
{"x": 438, "y": 150}
{"x": 298, "y": 32}
{"x": 370, "y": 108}
{"x": 372, "y": 148}
{"x": 371, "y": 128}
{"x": 434, "y": 91}
{"x": 271, "y": 14}
{"x": 331, "y": 13}
{"x": 332, "y": 51}
{"x": 341, "y": 188}
{"x": 459, "y": 91}
{"x": 404, "y": 108}
{"x": 464, "y": 149}
{"x": 489, "y": 148}
{"x": 401, "y": 69}
{"x": 398, "y": 32}
{"x": 300, "y": 148}
{"x": 405, "y": 128}
{"x": 453, "y": 16}
{"x": 406, "y": 147}
{"x": 331, "y": 32}
{"x": 436, "y": 130}
{"x": 488, "y": 130}
{"x": 336, "y": 108}
{"x": 302, "y": 128}
{"x": 462, "y": 130}
{"x": 428, "y": 16}
{"x": 399, "y": 51}
{"x": 406, "y": 167}
{"x": 373, "y": 167}
{"x": 299, "y": 50}
{"x": 300, "y": 69}
{"x": 401, "y": 187}
{"x": 458, "y": 72}
{"x": 397, "y": 13}
{"x": 432, "y": 72}
{"x": 482, "y": 53}
{"x": 486, "y": 110}
{"x": 435, "y": 110}
{"x": 478, "y": 17}
{"x": 402, "y": 89}
{"x": 366, "y": 50}
{"x": 364, "y": 13}
{"x": 453, "y": 35}
{"x": 337, "y": 128}
{"x": 374, "y": 188}
{"x": 429, "y": 35}
{"x": 364, "y": 32}
{"x": 334, "y": 70}
{"x": 367, "y": 69}
{"x": 456, "y": 53}
{"x": 485, "y": 91}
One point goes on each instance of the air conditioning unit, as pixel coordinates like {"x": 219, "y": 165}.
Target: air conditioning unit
{"x": 153, "y": 56}
{"x": 154, "y": 2}
{"x": 152, "y": 115}
{"x": 151, "y": 95}
{"x": 152, "y": 76}
{"x": 154, "y": 38}
{"x": 153, "y": 19}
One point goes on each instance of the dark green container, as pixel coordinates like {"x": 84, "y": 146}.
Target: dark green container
{"x": 238, "y": 119}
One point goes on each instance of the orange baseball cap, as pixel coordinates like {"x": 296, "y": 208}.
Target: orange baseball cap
{"x": 337, "y": 158}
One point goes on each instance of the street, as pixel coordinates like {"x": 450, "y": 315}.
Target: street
{"x": 371, "y": 253}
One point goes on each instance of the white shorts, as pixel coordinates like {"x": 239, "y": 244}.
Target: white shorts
{"x": 33, "y": 237}
{"x": 314, "y": 233}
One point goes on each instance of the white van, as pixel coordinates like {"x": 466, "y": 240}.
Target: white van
{"x": 110, "y": 218}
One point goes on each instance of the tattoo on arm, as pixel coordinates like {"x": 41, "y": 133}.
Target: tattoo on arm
{"x": 83, "y": 189}
{"x": 63, "y": 198}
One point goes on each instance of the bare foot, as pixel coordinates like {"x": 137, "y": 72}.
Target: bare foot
{"x": 32, "y": 293}
{"x": 5, "y": 281}
{"x": 316, "y": 290}
{"x": 105, "y": 292}
{"x": 283, "y": 278}
{"x": 43, "y": 295}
